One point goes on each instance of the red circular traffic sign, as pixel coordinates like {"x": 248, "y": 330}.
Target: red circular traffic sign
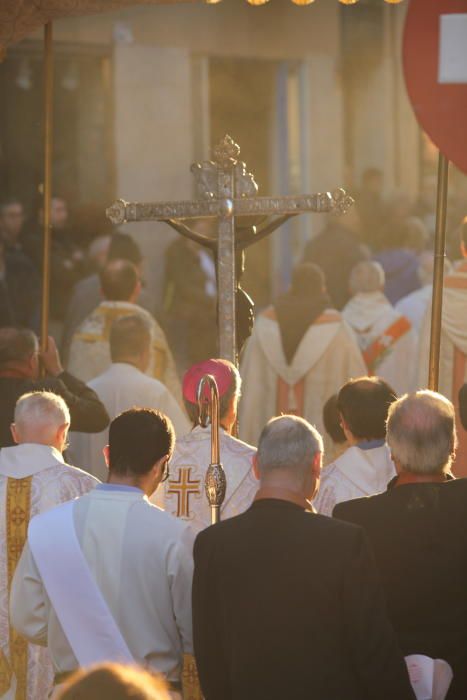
{"x": 435, "y": 66}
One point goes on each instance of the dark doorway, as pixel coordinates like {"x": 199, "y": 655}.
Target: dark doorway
{"x": 83, "y": 158}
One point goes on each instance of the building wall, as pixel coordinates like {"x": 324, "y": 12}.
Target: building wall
{"x": 157, "y": 52}
{"x": 161, "y": 121}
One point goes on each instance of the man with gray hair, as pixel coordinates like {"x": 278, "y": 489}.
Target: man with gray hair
{"x": 384, "y": 335}
{"x": 33, "y": 479}
{"x": 419, "y": 535}
{"x": 299, "y": 612}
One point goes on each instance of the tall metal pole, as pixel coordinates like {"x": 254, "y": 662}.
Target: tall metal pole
{"x": 438, "y": 272}
{"x": 225, "y": 156}
{"x": 226, "y": 269}
{"x": 47, "y": 187}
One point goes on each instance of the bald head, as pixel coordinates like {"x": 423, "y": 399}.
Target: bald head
{"x": 120, "y": 281}
{"x": 367, "y": 276}
{"x": 421, "y": 432}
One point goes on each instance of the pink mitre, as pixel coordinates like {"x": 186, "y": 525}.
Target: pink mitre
{"x": 219, "y": 369}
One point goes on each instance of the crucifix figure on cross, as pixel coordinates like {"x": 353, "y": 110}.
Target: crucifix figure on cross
{"x": 227, "y": 193}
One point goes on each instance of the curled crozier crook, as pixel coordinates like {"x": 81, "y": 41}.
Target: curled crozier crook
{"x": 215, "y": 482}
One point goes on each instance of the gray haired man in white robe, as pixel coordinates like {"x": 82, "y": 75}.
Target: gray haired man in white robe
{"x": 129, "y": 596}
{"x": 33, "y": 479}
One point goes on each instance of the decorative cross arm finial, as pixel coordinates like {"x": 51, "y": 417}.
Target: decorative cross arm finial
{"x": 341, "y": 201}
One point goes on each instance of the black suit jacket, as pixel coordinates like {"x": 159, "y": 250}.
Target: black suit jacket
{"x": 287, "y": 604}
{"x": 419, "y": 537}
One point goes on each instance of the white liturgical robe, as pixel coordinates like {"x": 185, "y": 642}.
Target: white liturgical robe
{"x": 183, "y": 493}
{"x": 120, "y": 388}
{"x": 453, "y": 352}
{"x": 33, "y": 479}
{"x": 386, "y": 338}
{"x": 359, "y": 471}
{"x": 90, "y": 350}
{"x": 414, "y": 306}
{"x": 327, "y": 357}
{"x": 141, "y": 559}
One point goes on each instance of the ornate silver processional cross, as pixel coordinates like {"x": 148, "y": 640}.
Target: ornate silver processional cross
{"x": 228, "y": 193}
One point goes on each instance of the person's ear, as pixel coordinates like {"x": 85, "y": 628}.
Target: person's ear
{"x": 256, "y": 467}
{"x": 106, "y": 452}
{"x": 317, "y": 464}
{"x": 136, "y": 291}
{"x": 14, "y": 433}
{"x": 396, "y": 464}
{"x": 62, "y": 433}
{"x": 345, "y": 427}
{"x": 159, "y": 468}
{"x": 33, "y": 364}
{"x": 463, "y": 250}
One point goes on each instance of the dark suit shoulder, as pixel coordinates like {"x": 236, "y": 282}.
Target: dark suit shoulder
{"x": 455, "y": 492}
{"x": 449, "y": 493}
{"x": 312, "y": 522}
{"x": 348, "y": 510}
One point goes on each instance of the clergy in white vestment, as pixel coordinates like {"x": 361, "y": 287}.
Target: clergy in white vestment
{"x": 33, "y": 479}
{"x": 366, "y": 467}
{"x": 385, "y": 336}
{"x": 108, "y": 577}
{"x": 183, "y": 494}
{"x": 414, "y": 305}
{"x": 124, "y": 385}
{"x": 89, "y": 353}
{"x": 453, "y": 352}
{"x": 299, "y": 354}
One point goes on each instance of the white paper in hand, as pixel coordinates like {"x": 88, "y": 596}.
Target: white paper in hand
{"x": 430, "y": 678}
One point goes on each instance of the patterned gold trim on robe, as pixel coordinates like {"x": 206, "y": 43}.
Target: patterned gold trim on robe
{"x": 190, "y": 681}
{"x": 18, "y": 503}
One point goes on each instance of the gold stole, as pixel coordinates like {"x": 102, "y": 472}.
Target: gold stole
{"x": 18, "y": 504}
{"x": 191, "y": 689}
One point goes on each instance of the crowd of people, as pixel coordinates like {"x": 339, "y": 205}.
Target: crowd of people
{"x": 339, "y": 567}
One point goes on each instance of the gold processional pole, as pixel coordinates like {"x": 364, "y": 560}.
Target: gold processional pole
{"x": 47, "y": 187}
{"x": 438, "y": 272}
{"x": 215, "y": 481}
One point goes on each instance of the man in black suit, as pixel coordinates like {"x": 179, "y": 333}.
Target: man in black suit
{"x": 418, "y": 529}
{"x": 287, "y": 603}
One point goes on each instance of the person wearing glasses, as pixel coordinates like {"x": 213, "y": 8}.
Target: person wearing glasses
{"x": 109, "y": 577}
